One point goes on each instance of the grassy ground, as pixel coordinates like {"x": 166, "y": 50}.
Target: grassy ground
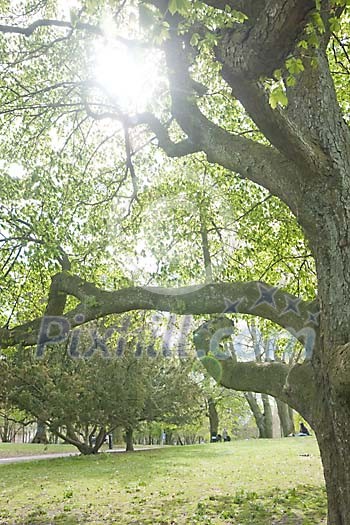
{"x": 263, "y": 482}
{"x": 10, "y": 450}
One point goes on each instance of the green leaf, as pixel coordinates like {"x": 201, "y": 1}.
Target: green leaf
{"x": 291, "y": 81}
{"x": 334, "y": 25}
{"x": 194, "y": 39}
{"x": 161, "y": 33}
{"x": 278, "y": 97}
{"x": 294, "y": 65}
{"x": 277, "y": 74}
{"x": 303, "y": 44}
{"x": 313, "y": 40}
{"x": 179, "y": 6}
{"x": 172, "y": 6}
{"x": 318, "y": 22}
{"x": 340, "y": 2}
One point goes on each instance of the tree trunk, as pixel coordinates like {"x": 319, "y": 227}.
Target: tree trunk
{"x": 268, "y": 423}
{"x": 40, "y": 434}
{"x": 213, "y": 418}
{"x": 86, "y": 447}
{"x": 285, "y": 414}
{"x": 335, "y": 454}
{"x": 5, "y": 432}
{"x": 129, "y": 439}
{"x": 263, "y": 420}
{"x": 291, "y": 417}
{"x": 331, "y": 357}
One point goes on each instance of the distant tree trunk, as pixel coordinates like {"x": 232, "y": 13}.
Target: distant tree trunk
{"x": 169, "y": 436}
{"x": 40, "y": 434}
{"x": 213, "y": 417}
{"x": 263, "y": 420}
{"x": 129, "y": 439}
{"x": 85, "y": 447}
{"x": 179, "y": 441}
{"x": 268, "y": 420}
{"x": 285, "y": 414}
{"x": 5, "y": 431}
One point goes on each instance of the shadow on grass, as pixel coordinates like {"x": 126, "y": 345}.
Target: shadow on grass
{"x": 303, "y": 505}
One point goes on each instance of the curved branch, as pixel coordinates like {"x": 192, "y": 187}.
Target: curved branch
{"x": 250, "y": 159}
{"x": 298, "y": 131}
{"x": 254, "y": 298}
{"x": 65, "y": 24}
{"x": 293, "y": 385}
{"x": 314, "y": 99}
{"x": 290, "y": 140}
{"x": 263, "y": 46}
{"x": 172, "y": 149}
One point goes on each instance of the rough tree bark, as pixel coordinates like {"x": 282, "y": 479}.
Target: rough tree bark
{"x": 213, "y": 418}
{"x": 307, "y": 165}
{"x": 40, "y": 433}
{"x": 5, "y": 430}
{"x": 263, "y": 419}
{"x": 85, "y": 447}
{"x": 285, "y": 414}
{"x": 313, "y": 138}
{"x": 129, "y": 439}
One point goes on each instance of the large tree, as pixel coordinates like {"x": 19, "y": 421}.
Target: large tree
{"x": 279, "y": 60}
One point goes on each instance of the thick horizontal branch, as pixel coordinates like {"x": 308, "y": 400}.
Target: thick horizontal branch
{"x": 266, "y": 378}
{"x": 293, "y": 385}
{"x": 254, "y": 298}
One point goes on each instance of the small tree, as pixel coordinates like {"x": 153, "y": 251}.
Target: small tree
{"x": 79, "y": 400}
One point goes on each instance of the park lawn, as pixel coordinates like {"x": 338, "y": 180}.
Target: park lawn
{"x": 11, "y": 450}
{"x": 256, "y": 482}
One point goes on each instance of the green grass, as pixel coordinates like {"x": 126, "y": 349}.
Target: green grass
{"x": 10, "y": 450}
{"x": 260, "y": 482}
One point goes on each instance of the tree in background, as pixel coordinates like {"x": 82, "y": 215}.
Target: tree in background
{"x": 40, "y": 433}
{"x": 267, "y": 348}
{"x": 82, "y": 398}
{"x": 12, "y": 421}
{"x": 79, "y": 400}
